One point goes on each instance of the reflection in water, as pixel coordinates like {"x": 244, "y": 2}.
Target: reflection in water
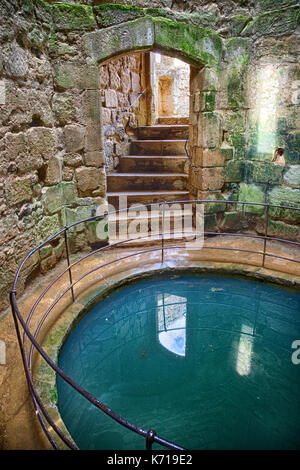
{"x": 171, "y": 317}
{"x": 205, "y": 361}
{"x": 244, "y": 353}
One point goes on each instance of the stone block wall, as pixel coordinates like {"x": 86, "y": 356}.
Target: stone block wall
{"x": 121, "y": 82}
{"x": 54, "y": 106}
{"x": 51, "y": 157}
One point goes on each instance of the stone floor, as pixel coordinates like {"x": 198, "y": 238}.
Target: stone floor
{"x": 19, "y": 428}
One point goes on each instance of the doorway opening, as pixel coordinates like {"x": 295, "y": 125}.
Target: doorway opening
{"x": 170, "y": 84}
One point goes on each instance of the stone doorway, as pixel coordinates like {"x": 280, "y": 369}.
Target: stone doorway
{"x": 198, "y": 48}
{"x": 170, "y": 80}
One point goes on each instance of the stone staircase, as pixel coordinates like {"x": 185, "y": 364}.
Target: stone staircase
{"x": 156, "y": 170}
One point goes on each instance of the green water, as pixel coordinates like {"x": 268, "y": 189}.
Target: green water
{"x": 205, "y": 361}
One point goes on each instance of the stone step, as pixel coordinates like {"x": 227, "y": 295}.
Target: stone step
{"x": 127, "y": 198}
{"x": 174, "y": 131}
{"x": 148, "y": 239}
{"x": 160, "y": 163}
{"x": 147, "y": 181}
{"x": 127, "y": 223}
{"x": 158, "y": 147}
{"x": 172, "y": 120}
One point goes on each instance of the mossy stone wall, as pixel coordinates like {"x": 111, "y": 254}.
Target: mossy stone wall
{"x": 245, "y": 98}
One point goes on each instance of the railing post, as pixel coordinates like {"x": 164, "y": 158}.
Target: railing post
{"x": 150, "y": 439}
{"x": 163, "y": 233}
{"x": 266, "y": 233}
{"x": 68, "y": 261}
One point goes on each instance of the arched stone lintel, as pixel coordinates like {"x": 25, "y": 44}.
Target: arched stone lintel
{"x": 193, "y": 44}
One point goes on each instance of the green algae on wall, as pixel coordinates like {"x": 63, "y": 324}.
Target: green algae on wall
{"x": 194, "y": 42}
{"x": 237, "y": 56}
{"x": 111, "y": 14}
{"x": 276, "y": 22}
{"x": 265, "y": 5}
{"x": 251, "y": 193}
{"x": 238, "y": 23}
{"x": 236, "y": 88}
{"x": 285, "y": 196}
{"x": 263, "y": 172}
{"x": 71, "y": 17}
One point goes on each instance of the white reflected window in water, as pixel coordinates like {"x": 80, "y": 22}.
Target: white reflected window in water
{"x": 244, "y": 354}
{"x": 171, "y": 322}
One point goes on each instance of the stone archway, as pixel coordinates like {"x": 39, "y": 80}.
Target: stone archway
{"x": 199, "y": 47}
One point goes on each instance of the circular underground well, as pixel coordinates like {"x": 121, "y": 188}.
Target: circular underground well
{"x": 205, "y": 360}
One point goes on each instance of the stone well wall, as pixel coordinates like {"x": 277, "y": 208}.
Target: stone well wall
{"x": 244, "y": 106}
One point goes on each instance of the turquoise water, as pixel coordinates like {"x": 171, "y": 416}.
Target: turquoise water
{"x": 205, "y": 361}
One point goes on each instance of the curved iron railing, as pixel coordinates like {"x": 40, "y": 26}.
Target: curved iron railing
{"x": 28, "y": 340}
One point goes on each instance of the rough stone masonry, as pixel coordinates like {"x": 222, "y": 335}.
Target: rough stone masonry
{"x": 56, "y": 76}
{"x": 66, "y": 70}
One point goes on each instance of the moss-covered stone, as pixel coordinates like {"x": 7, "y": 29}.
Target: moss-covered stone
{"x": 238, "y": 51}
{"x": 36, "y": 38}
{"x": 65, "y": 107}
{"x": 194, "y": 42}
{"x": 208, "y": 18}
{"x": 57, "y": 48}
{"x": 292, "y": 147}
{"x": 18, "y": 190}
{"x": 69, "y": 192}
{"x": 234, "y": 171}
{"x": 111, "y": 14}
{"x": 238, "y": 23}
{"x": 236, "y": 87}
{"x": 42, "y": 142}
{"x": 234, "y": 121}
{"x": 210, "y": 78}
{"x": 266, "y": 5}
{"x": 284, "y": 195}
{"x": 70, "y": 17}
{"x": 52, "y": 199}
{"x": 56, "y": 197}
{"x": 47, "y": 227}
{"x": 288, "y": 197}
{"x": 232, "y": 221}
{"x": 42, "y": 10}
{"x": 238, "y": 141}
{"x": 210, "y": 223}
{"x": 227, "y": 153}
{"x": 282, "y": 230}
{"x": 263, "y": 172}
{"x": 160, "y": 12}
{"x": 208, "y": 99}
{"x": 260, "y": 145}
{"x": 214, "y": 207}
{"x": 8, "y": 228}
{"x": 212, "y": 129}
{"x": 251, "y": 193}
{"x": 273, "y": 23}
{"x": 70, "y": 75}
{"x": 292, "y": 176}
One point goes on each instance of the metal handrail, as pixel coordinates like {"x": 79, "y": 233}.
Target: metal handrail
{"x": 41, "y": 411}
{"x": 194, "y": 168}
